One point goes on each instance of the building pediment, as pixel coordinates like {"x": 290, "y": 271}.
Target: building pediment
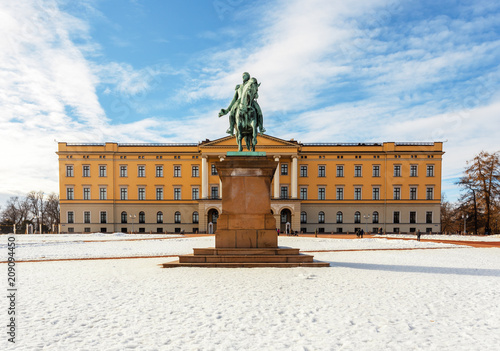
{"x": 263, "y": 142}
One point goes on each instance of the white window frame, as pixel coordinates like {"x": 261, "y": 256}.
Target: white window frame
{"x": 103, "y": 171}
{"x": 413, "y": 192}
{"x": 303, "y": 193}
{"x": 159, "y": 171}
{"x": 70, "y": 193}
{"x": 339, "y": 193}
{"x": 72, "y": 215}
{"x": 195, "y": 193}
{"x": 123, "y": 191}
{"x": 413, "y": 170}
{"x": 141, "y": 171}
{"x": 396, "y": 193}
{"x": 358, "y": 193}
{"x": 430, "y": 171}
{"x": 340, "y": 171}
{"x": 321, "y": 193}
{"x": 397, "y": 171}
{"x": 141, "y": 193}
{"x": 159, "y": 193}
{"x": 431, "y": 197}
{"x": 103, "y": 193}
{"x": 358, "y": 171}
{"x": 85, "y": 171}
{"x": 87, "y": 193}
{"x": 123, "y": 171}
{"x": 177, "y": 193}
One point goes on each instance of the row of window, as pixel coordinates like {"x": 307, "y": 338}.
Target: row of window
{"x": 103, "y": 217}
{"x": 195, "y": 171}
{"x": 357, "y": 217}
{"x": 141, "y": 171}
{"x": 358, "y": 193}
{"x": 358, "y": 170}
{"x": 141, "y": 193}
{"x": 340, "y": 230}
{"x": 214, "y": 193}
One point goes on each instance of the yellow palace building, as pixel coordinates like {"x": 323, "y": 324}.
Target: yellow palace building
{"x": 324, "y": 187}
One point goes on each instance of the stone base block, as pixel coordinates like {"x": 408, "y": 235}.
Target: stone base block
{"x": 246, "y": 221}
{"x": 246, "y": 238}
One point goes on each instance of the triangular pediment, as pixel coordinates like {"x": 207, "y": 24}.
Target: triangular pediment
{"x": 263, "y": 142}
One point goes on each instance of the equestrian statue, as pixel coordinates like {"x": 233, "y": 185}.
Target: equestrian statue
{"x": 244, "y": 113}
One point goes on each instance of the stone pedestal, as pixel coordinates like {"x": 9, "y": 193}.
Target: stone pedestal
{"x": 246, "y": 229}
{"x": 246, "y": 220}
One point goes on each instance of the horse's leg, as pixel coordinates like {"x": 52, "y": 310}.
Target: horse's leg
{"x": 248, "y": 141}
{"x": 254, "y": 129}
{"x": 238, "y": 129}
{"x": 239, "y": 137}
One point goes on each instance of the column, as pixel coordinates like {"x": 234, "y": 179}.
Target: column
{"x": 294, "y": 177}
{"x": 221, "y": 158}
{"x": 204, "y": 177}
{"x": 277, "y": 179}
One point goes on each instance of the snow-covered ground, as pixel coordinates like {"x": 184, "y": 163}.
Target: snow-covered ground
{"x": 439, "y": 299}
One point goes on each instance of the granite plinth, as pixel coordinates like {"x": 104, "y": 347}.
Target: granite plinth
{"x": 246, "y": 220}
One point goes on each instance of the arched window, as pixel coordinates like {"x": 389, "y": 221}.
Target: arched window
{"x": 213, "y": 215}
{"x": 340, "y": 217}
{"x": 124, "y": 217}
{"x": 177, "y": 217}
{"x": 159, "y": 217}
{"x": 375, "y": 217}
{"x": 321, "y": 217}
{"x": 303, "y": 217}
{"x": 357, "y": 217}
{"x": 142, "y": 217}
{"x": 195, "y": 217}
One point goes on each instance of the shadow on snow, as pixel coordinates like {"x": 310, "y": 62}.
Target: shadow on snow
{"x": 418, "y": 269}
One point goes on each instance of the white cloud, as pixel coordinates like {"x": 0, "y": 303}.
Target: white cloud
{"x": 295, "y": 51}
{"x": 48, "y": 92}
{"x": 44, "y": 78}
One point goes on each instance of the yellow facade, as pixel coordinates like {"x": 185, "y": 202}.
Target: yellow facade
{"x": 326, "y": 187}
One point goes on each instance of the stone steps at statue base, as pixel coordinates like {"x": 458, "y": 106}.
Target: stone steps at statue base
{"x": 245, "y": 257}
{"x": 176, "y": 264}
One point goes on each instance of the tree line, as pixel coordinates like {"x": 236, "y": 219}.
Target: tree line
{"x": 35, "y": 209}
{"x": 477, "y": 209}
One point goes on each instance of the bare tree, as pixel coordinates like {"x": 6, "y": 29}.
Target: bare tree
{"x": 37, "y": 206}
{"x": 16, "y": 212}
{"x": 52, "y": 209}
{"x": 449, "y": 216}
{"x": 481, "y": 181}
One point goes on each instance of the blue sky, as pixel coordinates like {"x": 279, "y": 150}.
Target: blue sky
{"x": 159, "y": 71}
